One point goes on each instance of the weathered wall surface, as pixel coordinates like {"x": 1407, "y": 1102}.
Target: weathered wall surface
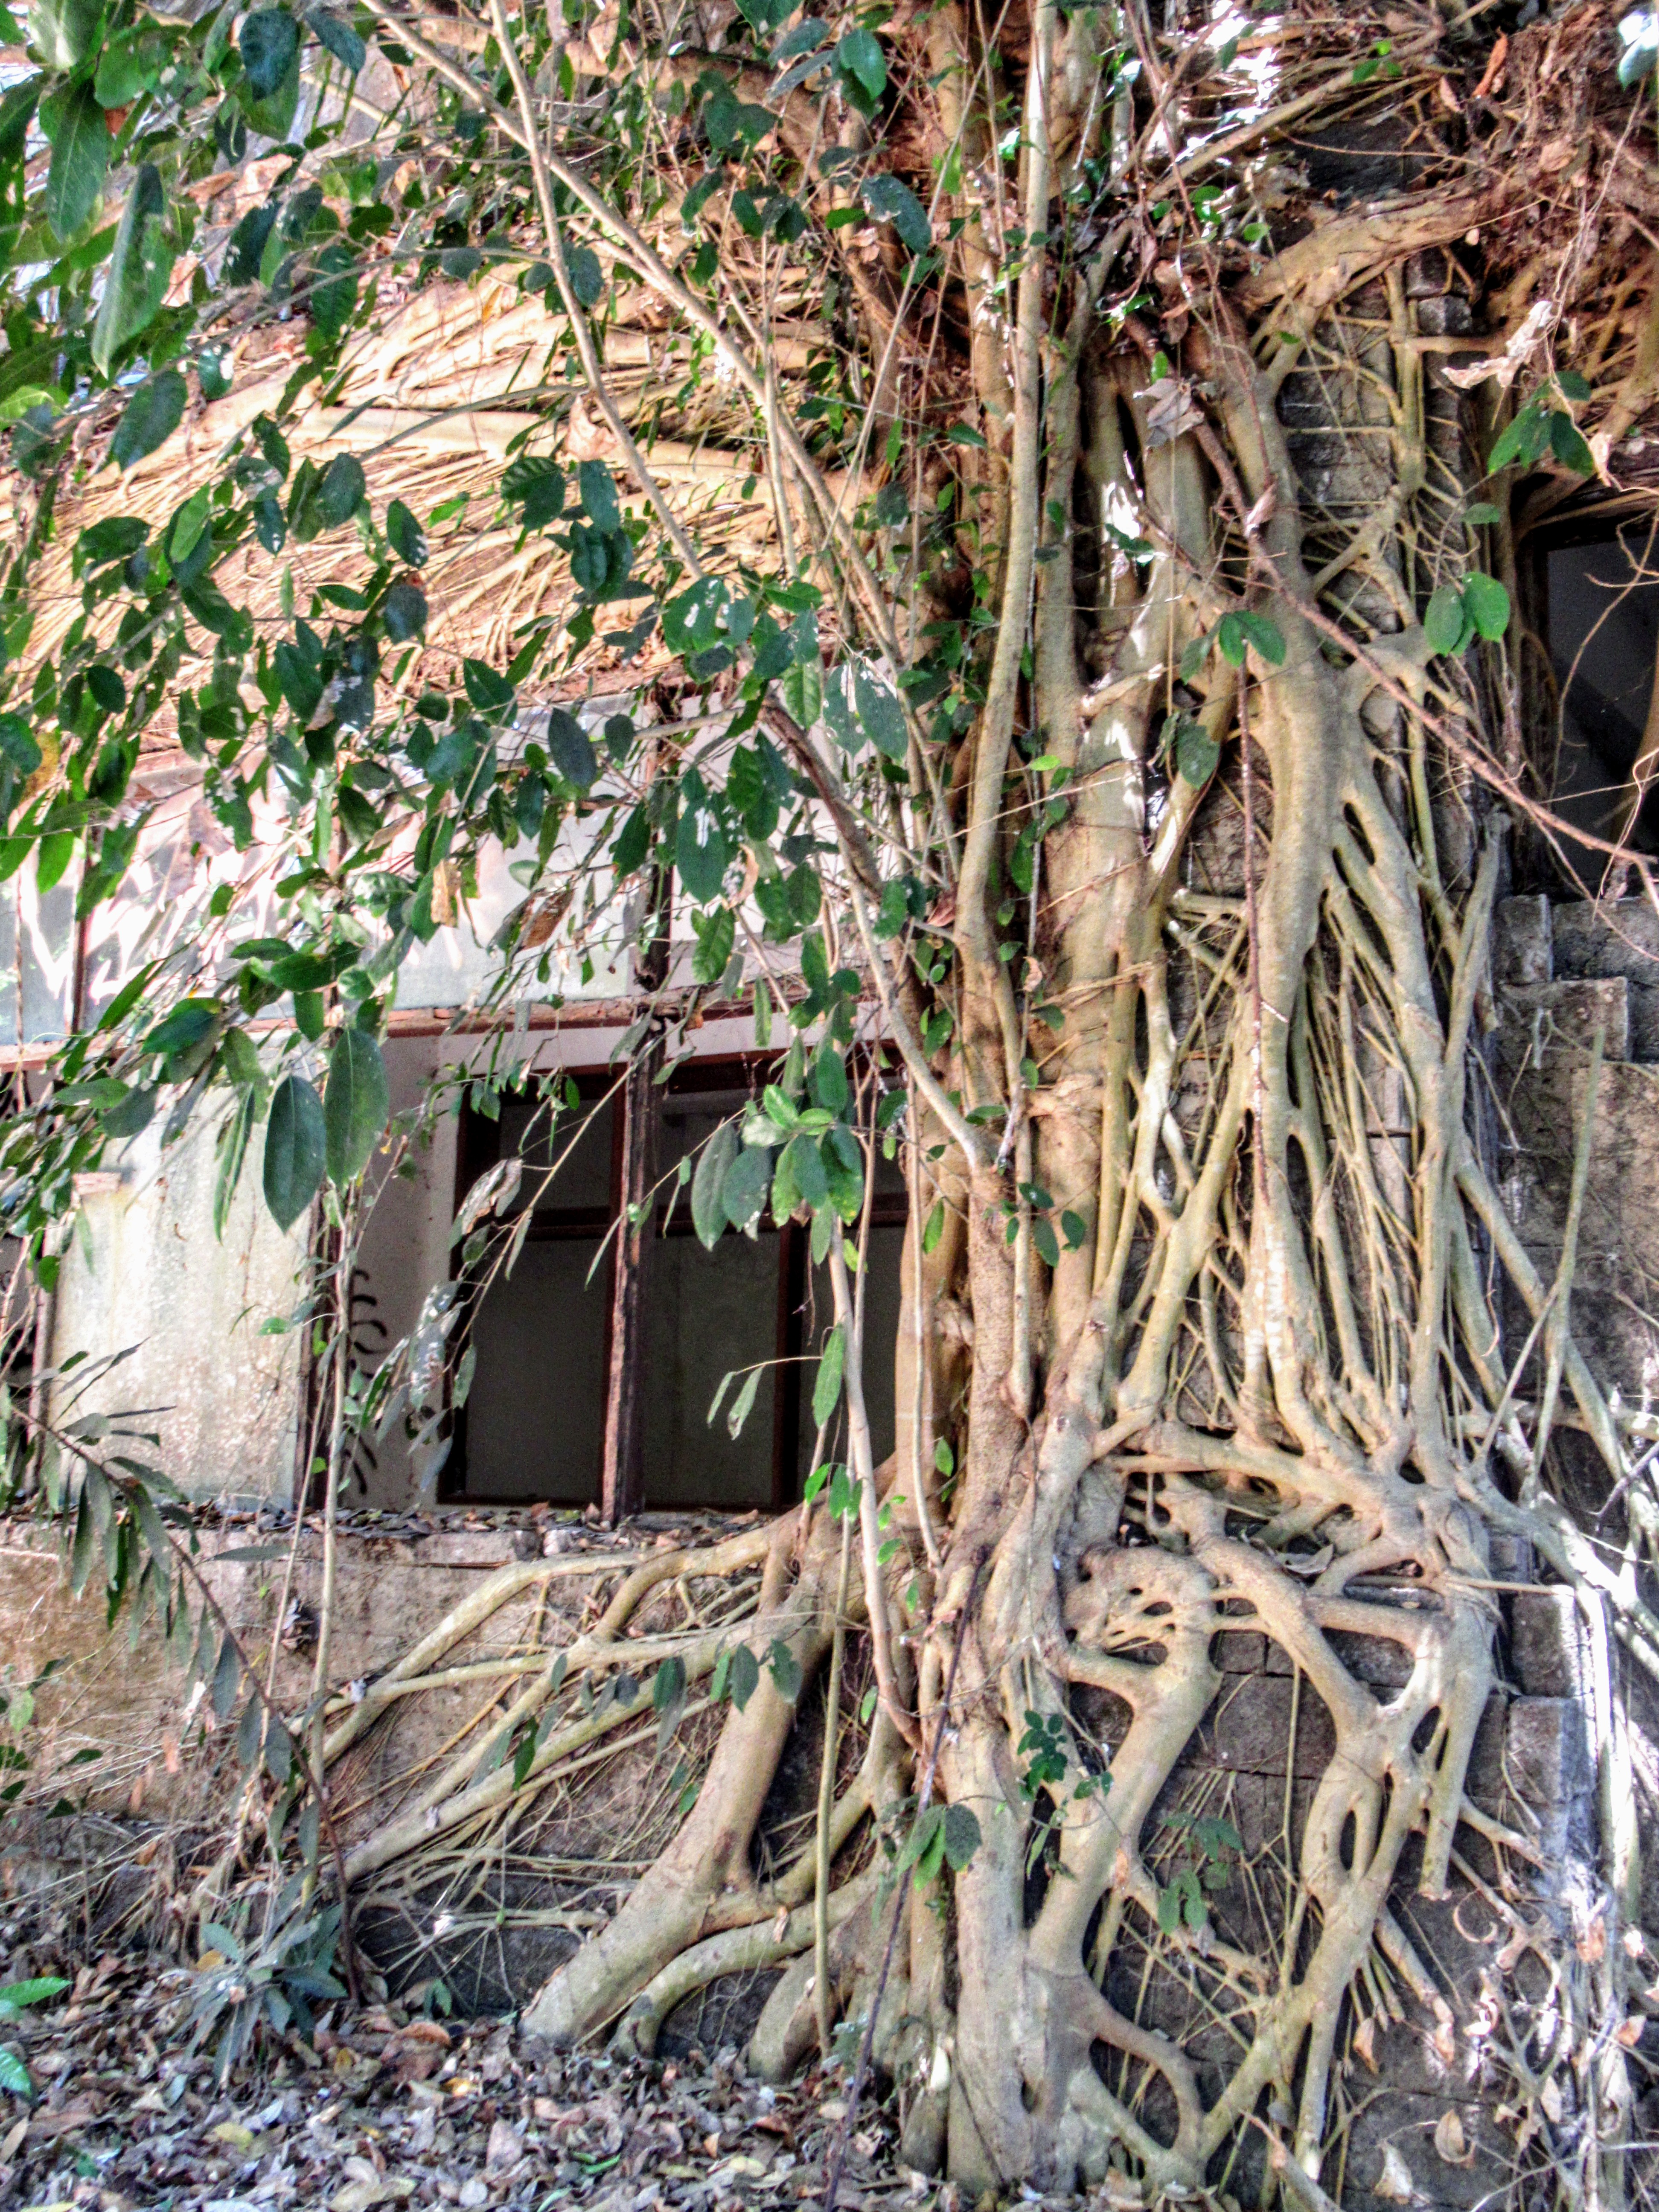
{"x": 158, "y": 1749}
{"x": 145, "y": 1274}
{"x": 1562, "y": 972}
{"x": 122, "y": 1695}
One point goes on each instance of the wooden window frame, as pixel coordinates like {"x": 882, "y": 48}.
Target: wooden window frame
{"x": 633, "y": 1167}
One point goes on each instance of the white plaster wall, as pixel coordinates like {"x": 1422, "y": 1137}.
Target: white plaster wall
{"x": 459, "y": 967}
{"x": 36, "y": 945}
{"x": 145, "y": 1271}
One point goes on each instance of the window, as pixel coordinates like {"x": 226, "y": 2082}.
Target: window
{"x": 548, "y": 1362}
{"x": 1601, "y": 622}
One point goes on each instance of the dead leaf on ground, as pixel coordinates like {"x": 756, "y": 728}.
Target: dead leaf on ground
{"x": 1395, "y": 2181}
{"x": 505, "y": 2148}
{"x": 1451, "y": 2141}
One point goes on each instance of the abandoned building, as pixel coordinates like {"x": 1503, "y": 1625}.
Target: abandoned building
{"x": 594, "y": 1419}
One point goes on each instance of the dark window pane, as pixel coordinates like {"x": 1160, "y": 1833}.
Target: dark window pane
{"x": 708, "y": 1312}
{"x": 542, "y": 1136}
{"x": 1604, "y": 631}
{"x": 535, "y": 1416}
{"x": 689, "y": 1120}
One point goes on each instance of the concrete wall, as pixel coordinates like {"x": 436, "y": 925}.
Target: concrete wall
{"x": 122, "y": 1695}
{"x": 145, "y": 1275}
{"x": 36, "y": 945}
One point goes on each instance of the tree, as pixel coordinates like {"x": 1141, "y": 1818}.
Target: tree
{"x": 1199, "y": 1334}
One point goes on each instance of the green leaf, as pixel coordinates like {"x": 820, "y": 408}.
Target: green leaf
{"x": 893, "y": 201}
{"x": 268, "y": 41}
{"x": 18, "y": 1995}
{"x": 191, "y": 1022}
{"x": 341, "y": 40}
{"x": 668, "y": 1686}
{"x": 701, "y": 852}
{"x": 341, "y": 492}
{"x": 537, "y": 482}
{"x": 15, "y": 2075}
{"x": 571, "y": 748}
{"x": 355, "y": 1103}
{"x": 1236, "y": 633}
{"x": 709, "y": 1216}
{"x": 80, "y": 162}
{"x": 743, "y": 1677}
{"x": 934, "y": 1228}
{"x": 785, "y": 1670}
{"x": 716, "y": 934}
{"x": 881, "y": 716}
{"x": 586, "y": 275}
{"x": 154, "y": 1528}
{"x": 235, "y": 1152}
{"x": 404, "y": 611}
{"x": 961, "y": 1836}
{"x": 132, "y": 1116}
{"x": 1196, "y": 753}
{"x": 1522, "y": 442}
{"x": 406, "y": 535}
{"x": 273, "y": 117}
{"x": 1487, "y": 604}
{"x": 802, "y": 688}
{"x": 597, "y": 489}
{"x": 128, "y": 66}
{"x": 743, "y": 1192}
{"x": 826, "y": 1389}
{"x": 523, "y": 1757}
{"x": 227, "y": 1677}
{"x": 184, "y": 533}
{"x": 296, "y": 1144}
{"x": 1266, "y": 636}
{"x": 744, "y": 1404}
{"x": 62, "y": 31}
{"x": 153, "y": 414}
{"x": 83, "y": 1549}
{"x": 487, "y": 687}
{"x": 1568, "y": 444}
{"x": 1442, "y": 619}
{"x": 17, "y": 745}
{"x": 333, "y": 295}
{"x": 860, "y": 54}
{"x": 1480, "y": 513}
{"x": 830, "y": 1086}
{"x": 279, "y": 1752}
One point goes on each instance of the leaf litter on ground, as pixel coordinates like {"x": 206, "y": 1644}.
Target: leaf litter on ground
{"x": 391, "y": 2108}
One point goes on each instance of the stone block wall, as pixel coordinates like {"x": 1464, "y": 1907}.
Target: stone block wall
{"x": 1561, "y": 972}
{"x": 1264, "y": 1745}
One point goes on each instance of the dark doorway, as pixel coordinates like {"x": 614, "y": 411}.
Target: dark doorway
{"x": 1601, "y": 630}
